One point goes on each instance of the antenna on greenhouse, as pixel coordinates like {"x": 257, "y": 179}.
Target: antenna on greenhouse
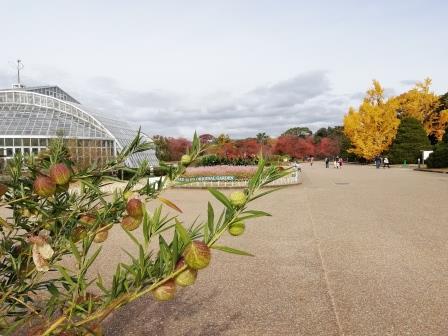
{"x": 19, "y": 85}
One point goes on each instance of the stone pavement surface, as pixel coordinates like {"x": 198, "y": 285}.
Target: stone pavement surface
{"x": 357, "y": 251}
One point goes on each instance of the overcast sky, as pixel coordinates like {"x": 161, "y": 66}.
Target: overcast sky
{"x": 233, "y": 66}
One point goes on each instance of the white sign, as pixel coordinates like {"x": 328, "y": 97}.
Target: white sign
{"x": 426, "y": 155}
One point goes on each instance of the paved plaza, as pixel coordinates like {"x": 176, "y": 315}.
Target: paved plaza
{"x": 356, "y": 251}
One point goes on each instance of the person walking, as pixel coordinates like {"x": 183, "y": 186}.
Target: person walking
{"x": 386, "y": 162}
{"x": 340, "y": 162}
{"x": 311, "y": 160}
{"x": 377, "y": 162}
{"x": 327, "y": 162}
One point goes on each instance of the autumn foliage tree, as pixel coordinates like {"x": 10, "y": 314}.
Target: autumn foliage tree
{"x": 425, "y": 106}
{"x": 170, "y": 149}
{"x": 372, "y": 127}
{"x": 295, "y": 146}
{"x": 327, "y": 147}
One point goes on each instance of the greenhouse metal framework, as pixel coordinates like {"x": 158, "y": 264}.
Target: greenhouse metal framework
{"x": 31, "y": 116}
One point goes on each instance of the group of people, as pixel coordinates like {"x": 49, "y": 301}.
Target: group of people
{"x": 337, "y": 162}
{"x": 381, "y": 161}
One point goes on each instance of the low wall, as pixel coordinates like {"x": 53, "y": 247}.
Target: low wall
{"x": 292, "y": 179}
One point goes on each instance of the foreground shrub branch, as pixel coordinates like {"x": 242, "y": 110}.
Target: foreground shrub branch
{"x": 61, "y": 213}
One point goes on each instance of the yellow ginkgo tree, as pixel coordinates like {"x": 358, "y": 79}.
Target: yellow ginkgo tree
{"x": 424, "y": 105}
{"x": 372, "y": 127}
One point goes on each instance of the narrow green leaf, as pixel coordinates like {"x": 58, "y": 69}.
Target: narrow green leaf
{"x": 265, "y": 193}
{"x": 169, "y": 203}
{"x": 132, "y": 237}
{"x": 253, "y": 214}
{"x": 183, "y": 233}
{"x": 210, "y": 218}
{"x": 75, "y": 251}
{"x": 92, "y": 259}
{"x": 64, "y": 273}
{"x": 231, "y": 250}
{"x": 220, "y": 197}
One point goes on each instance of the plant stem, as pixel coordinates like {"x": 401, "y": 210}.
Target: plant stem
{"x": 54, "y": 325}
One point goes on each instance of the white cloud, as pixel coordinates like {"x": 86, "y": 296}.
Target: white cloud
{"x": 302, "y": 100}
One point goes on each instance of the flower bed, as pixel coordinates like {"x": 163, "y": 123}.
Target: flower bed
{"x": 228, "y": 177}
{"x": 238, "y": 172}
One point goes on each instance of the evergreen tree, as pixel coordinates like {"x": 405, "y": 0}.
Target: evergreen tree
{"x": 411, "y": 139}
{"x": 439, "y": 158}
{"x": 302, "y": 132}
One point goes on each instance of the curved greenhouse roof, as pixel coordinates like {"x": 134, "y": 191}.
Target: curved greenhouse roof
{"x": 47, "y": 112}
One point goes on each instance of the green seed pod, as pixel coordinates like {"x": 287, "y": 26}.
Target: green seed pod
{"x": 186, "y": 277}
{"x": 238, "y": 198}
{"x": 237, "y": 228}
{"x": 44, "y": 186}
{"x": 185, "y": 160}
{"x": 130, "y": 223}
{"x": 134, "y": 207}
{"x": 60, "y": 173}
{"x": 127, "y": 195}
{"x": 166, "y": 291}
{"x": 78, "y": 234}
{"x": 197, "y": 255}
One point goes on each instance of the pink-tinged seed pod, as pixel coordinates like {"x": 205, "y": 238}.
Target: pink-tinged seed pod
{"x": 186, "y": 277}
{"x": 197, "y": 255}
{"x": 44, "y": 186}
{"x": 185, "y": 160}
{"x": 87, "y": 219}
{"x": 60, "y": 173}
{"x": 166, "y": 291}
{"x": 238, "y": 198}
{"x": 134, "y": 207}
{"x": 130, "y": 223}
{"x": 237, "y": 228}
{"x": 3, "y": 189}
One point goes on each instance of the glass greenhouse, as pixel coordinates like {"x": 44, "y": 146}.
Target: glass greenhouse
{"x": 31, "y": 116}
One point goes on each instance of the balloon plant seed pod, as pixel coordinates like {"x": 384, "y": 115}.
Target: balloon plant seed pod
{"x": 44, "y": 186}
{"x": 87, "y": 219}
{"x": 78, "y": 234}
{"x": 197, "y": 255}
{"x": 237, "y": 228}
{"x": 60, "y": 173}
{"x": 166, "y": 291}
{"x": 3, "y": 189}
{"x": 130, "y": 223}
{"x": 238, "y": 198}
{"x": 134, "y": 207}
{"x": 185, "y": 160}
{"x": 127, "y": 194}
{"x": 101, "y": 236}
{"x": 186, "y": 277}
